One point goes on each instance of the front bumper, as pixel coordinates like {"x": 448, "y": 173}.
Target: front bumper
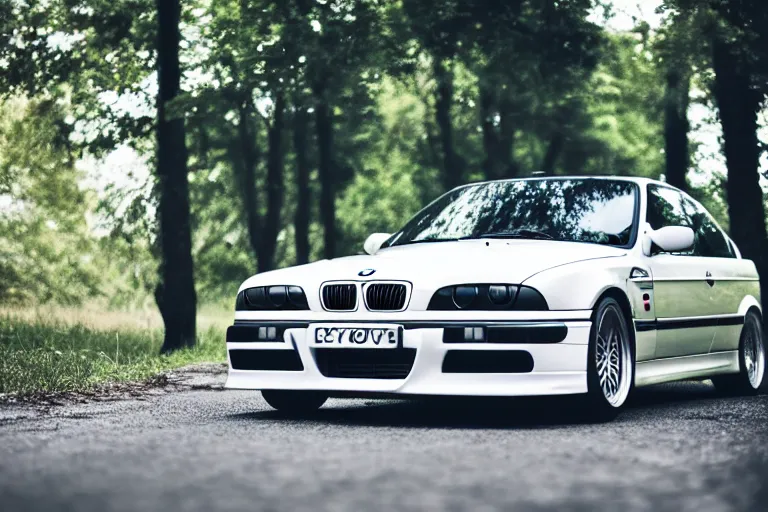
{"x": 495, "y": 368}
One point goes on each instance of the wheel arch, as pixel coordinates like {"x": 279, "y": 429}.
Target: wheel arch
{"x": 620, "y": 296}
{"x": 750, "y": 303}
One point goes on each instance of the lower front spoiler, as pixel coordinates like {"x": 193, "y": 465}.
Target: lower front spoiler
{"x": 555, "y": 368}
{"x": 529, "y": 384}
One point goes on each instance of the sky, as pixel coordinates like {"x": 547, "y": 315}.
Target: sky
{"x": 626, "y": 14}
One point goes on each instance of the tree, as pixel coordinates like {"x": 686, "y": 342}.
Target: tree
{"x": 738, "y": 102}
{"x": 676, "y": 127}
{"x": 246, "y": 56}
{"x": 679, "y": 53}
{"x": 530, "y": 59}
{"x": 107, "y": 48}
{"x": 439, "y": 27}
{"x": 175, "y": 294}
{"x": 303, "y": 196}
{"x": 340, "y": 42}
{"x": 618, "y": 131}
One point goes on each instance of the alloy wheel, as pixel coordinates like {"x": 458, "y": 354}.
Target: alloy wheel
{"x": 613, "y": 357}
{"x": 754, "y": 355}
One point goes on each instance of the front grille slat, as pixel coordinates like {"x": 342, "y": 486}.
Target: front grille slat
{"x": 355, "y": 363}
{"x": 385, "y": 296}
{"x": 340, "y": 297}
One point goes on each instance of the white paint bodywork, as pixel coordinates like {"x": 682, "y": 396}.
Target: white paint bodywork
{"x": 571, "y": 276}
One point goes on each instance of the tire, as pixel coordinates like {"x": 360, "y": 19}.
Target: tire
{"x": 610, "y": 362}
{"x": 294, "y": 402}
{"x": 751, "y": 377}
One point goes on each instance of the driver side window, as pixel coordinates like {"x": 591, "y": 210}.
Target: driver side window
{"x": 668, "y": 207}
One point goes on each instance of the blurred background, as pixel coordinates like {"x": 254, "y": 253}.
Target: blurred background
{"x": 159, "y": 153}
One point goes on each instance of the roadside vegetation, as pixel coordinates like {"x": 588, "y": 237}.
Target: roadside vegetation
{"x": 69, "y": 350}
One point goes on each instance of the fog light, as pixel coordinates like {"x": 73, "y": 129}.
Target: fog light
{"x": 474, "y": 334}
{"x": 267, "y": 333}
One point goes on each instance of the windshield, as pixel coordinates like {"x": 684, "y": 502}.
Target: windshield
{"x": 598, "y": 211}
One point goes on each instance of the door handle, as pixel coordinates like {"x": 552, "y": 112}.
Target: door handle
{"x": 710, "y": 281}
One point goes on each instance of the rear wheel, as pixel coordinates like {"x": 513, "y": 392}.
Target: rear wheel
{"x": 610, "y": 364}
{"x": 294, "y": 402}
{"x": 751, "y": 377}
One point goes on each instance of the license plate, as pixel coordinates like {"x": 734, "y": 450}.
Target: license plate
{"x": 355, "y": 336}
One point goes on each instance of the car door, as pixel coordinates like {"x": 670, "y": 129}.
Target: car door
{"x": 686, "y": 312}
{"x": 730, "y": 278}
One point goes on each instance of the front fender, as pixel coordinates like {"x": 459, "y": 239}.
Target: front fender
{"x": 579, "y": 285}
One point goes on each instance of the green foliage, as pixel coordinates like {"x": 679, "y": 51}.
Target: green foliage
{"x": 538, "y": 76}
{"x": 621, "y": 132}
{"x": 741, "y": 24}
{"x": 45, "y": 249}
{"x": 44, "y": 356}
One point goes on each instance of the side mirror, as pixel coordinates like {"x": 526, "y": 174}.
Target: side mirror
{"x": 669, "y": 239}
{"x": 373, "y": 242}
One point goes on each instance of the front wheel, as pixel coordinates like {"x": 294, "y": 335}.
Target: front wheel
{"x": 751, "y": 377}
{"x": 610, "y": 361}
{"x": 294, "y": 402}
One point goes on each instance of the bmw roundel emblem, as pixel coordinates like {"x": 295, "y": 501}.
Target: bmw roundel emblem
{"x": 367, "y": 272}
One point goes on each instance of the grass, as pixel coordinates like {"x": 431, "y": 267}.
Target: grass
{"x": 60, "y": 352}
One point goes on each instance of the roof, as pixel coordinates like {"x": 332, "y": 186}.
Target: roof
{"x": 635, "y": 179}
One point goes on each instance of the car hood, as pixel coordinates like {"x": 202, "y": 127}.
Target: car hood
{"x": 434, "y": 265}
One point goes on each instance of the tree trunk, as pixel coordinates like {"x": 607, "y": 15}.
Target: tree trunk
{"x": 175, "y": 294}
{"x": 443, "y": 103}
{"x": 738, "y": 103}
{"x": 301, "y": 220}
{"x": 554, "y": 149}
{"x": 507, "y": 139}
{"x": 676, "y": 129}
{"x": 275, "y": 188}
{"x": 491, "y": 164}
{"x": 245, "y": 159}
{"x": 326, "y": 170}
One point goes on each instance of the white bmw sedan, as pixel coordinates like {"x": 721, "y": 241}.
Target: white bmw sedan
{"x": 543, "y": 286}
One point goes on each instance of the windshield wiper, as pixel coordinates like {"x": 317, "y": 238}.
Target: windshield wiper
{"x": 429, "y": 240}
{"x": 530, "y": 234}
{"x": 520, "y": 233}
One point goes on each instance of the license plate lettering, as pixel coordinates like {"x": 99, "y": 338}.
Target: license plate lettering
{"x": 363, "y": 337}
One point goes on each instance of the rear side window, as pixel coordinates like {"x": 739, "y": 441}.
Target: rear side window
{"x": 709, "y": 240}
{"x": 668, "y": 207}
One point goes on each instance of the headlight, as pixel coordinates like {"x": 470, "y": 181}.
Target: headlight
{"x": 270, "y": 298}
{"x": 487, "y": 297}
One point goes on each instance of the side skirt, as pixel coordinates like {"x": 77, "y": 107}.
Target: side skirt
{"x": 688, "y": 367}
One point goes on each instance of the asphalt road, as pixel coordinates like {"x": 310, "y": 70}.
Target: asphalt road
{"x": 678, "y": 448}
